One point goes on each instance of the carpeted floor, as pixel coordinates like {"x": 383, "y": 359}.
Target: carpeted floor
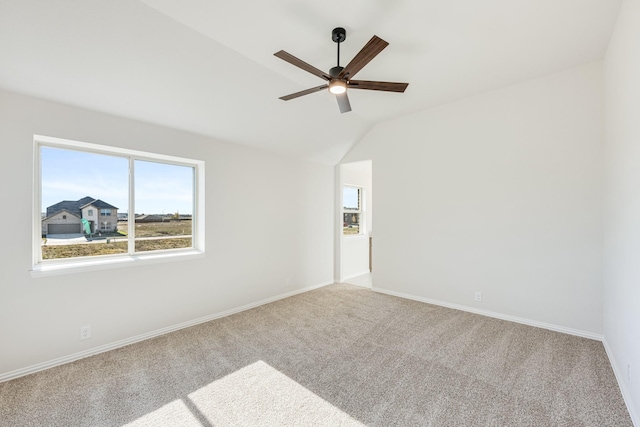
{"x": 339, "y": 355}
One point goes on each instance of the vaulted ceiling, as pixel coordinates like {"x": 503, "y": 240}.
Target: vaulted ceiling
{"x": 207, "y": 66}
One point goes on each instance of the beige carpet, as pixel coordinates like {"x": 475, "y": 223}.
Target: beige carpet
{"x": 338, "y": 356}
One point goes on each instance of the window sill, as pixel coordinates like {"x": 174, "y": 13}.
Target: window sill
{"x": 70, "y": 267}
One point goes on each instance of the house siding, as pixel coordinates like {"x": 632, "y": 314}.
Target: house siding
{"x": 107, "y": 223}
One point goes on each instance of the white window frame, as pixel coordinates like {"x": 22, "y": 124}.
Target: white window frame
{"x": 42, "y": 267}
{"x": 360, "y": 211}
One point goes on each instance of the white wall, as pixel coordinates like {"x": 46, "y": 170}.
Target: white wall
{"x": 354, "y": 259}
{"x": 500, "y": 193}
{"x": 268, "y": 218}
{"x": 622, "y": 203}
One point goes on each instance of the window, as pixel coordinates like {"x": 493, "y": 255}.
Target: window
{"x": 149, "y": 205}
{"x": 64, "y": 217}
{"x": 352, "y": 210}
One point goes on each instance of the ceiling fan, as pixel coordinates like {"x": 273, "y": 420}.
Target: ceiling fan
{"x": 339, "y": 79}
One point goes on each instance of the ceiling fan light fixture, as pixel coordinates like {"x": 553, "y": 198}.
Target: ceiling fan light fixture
{"x": 337, "y": 87}
{"x": 339, "y": 77}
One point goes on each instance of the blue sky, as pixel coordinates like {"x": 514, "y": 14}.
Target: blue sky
{"x": 72, "y": 175}
{"x": 350, "y": 197}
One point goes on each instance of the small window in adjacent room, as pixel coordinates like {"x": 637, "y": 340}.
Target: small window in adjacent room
{"x": 352, "y": 210}
{"x": 147, "y": 204}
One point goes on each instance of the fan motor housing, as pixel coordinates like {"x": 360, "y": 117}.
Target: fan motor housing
{"x": 335, "y": 71}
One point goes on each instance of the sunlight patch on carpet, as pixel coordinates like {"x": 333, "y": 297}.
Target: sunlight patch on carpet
{"x": 175, "y": 413}
{"x": 258, "y": 394}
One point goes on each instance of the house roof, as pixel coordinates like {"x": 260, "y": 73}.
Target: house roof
{"x": 214, "y": 72}
{"x": 61, "y": 211}
{"x": 75, "y": 206}
{"x": 99, "y": 204}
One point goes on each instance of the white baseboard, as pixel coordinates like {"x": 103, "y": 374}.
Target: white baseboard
{"x": 359, "y": 285}
{"x": 351, "y": 276}
{"x": 622, "y": 384}
{"x": 112, "y": 346}
{"x": 522, "y": 320}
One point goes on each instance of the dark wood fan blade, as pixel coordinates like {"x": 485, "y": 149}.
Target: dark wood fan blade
{"x": 301, "y": 64}
{"x": 303, "y": 92}
{"x": 385, "y": 86}
{"x": 343, "y": 103}
{"x": 366, "y": 54}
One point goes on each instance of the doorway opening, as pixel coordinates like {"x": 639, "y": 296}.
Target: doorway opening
{"x": 356, "y": 223}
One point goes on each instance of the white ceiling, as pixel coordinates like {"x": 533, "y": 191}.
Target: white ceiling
{"x": 207, "y": 66}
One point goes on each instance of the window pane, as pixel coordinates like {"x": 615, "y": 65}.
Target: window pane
{"x": 73, "y": 185}
{"x": 164, "y": 206}
{"x": 351, "y": 223}
{"x": 351, "y": 198}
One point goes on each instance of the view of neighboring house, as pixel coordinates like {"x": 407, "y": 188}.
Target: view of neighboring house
{"x": 65, "y": 217}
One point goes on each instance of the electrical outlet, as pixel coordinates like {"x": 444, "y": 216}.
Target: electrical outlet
{"x": 478, "y": 296}
{"x": 287, "y": 282}
{"x": 85, "y": 332}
